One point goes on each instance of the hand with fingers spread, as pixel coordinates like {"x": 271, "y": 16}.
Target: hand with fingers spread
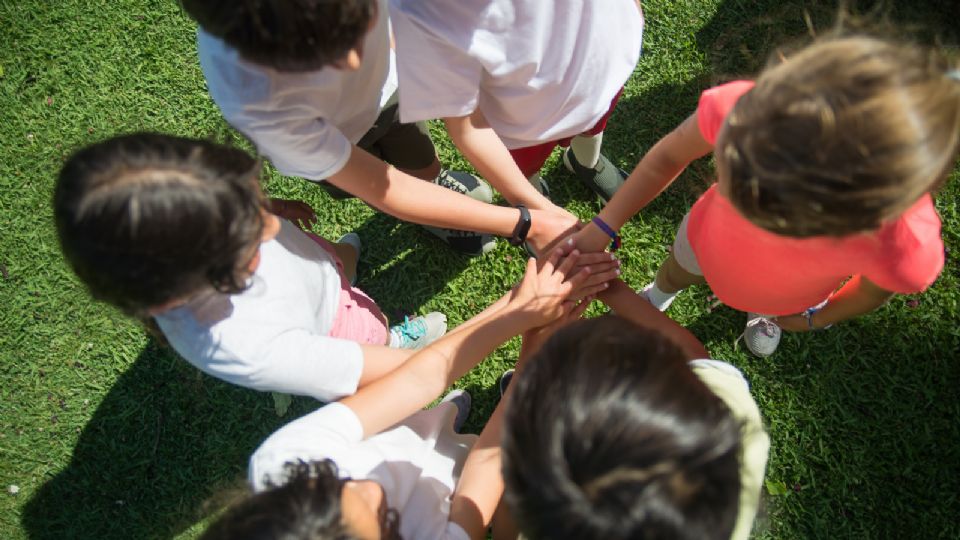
{"x": 297, "y": 212}
{"x": 544, "y": 293}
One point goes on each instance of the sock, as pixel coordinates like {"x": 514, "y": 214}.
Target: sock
{"x": 586, "y": 148}
{"x": 394, "y": 339}
{"x": 660, "y": 300}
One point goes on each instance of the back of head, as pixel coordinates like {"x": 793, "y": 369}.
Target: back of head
{"x": 305, "y": 507}
{"x": 287, "y": 35}
{"x": 609, "y": 435}
{"x": 146, "y": 219}
{"x": 841, "y": 136}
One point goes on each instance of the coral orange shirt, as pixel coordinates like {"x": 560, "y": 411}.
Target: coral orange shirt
{"x": 751, "y": 269}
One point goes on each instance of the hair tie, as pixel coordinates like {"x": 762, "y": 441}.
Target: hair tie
{"x": 954, "y": 74}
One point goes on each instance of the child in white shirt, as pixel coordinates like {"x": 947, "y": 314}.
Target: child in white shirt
{"x": 313, "y": 85}
{"x": 176, "y": 231}
{"x": 513, "y": 79}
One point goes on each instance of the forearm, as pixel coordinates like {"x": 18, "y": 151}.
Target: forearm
{"x": 629, "y": 305}
{"x": 858, "y": 296}
{"x": 429, "y": 371}
{"x": 657, "y": 169}
{"x": 484, "y": 149}
{"x": 412, "y": 199}
{"x": 379, "y": 360}
{"x": 481, "y": 484}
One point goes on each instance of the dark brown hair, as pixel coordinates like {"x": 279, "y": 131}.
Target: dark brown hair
{"x": 287, "y": 35}
{"x": 841, "y": 136}
{"x": 305, "y": 506}
{"x": 145, "y": 219}
{"x": 609, "y": 435}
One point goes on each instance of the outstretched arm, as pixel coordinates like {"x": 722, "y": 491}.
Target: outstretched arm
{"x": 657, "y": 170}
{"x": 629, "y": 305}
{"x": 540, "y": 298}
{"x": 411, "y": 199}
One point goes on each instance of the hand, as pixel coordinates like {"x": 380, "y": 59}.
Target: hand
{"x": 549, "y": 226}
{"x": 544, "y": 293}
{"x": 297, "y": 212}
{"x": 793, "y": 323}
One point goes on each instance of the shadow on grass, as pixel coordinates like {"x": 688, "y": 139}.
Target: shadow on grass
{"x": 402, "y": 266}
{"x": 162, "y": 442}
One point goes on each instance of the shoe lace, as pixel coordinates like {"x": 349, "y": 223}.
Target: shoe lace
{"x": 445, "y": 180}
{"x": 411, "y": 329}
{"x": 764, "y": 325}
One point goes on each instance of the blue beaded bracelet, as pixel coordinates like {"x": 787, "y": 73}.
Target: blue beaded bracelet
{"x": 615, "y": 244}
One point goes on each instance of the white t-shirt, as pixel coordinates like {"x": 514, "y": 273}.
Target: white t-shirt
{"x": 274, "y": 335}
{"x": 304, "y": 122}
{"x": 539, "y": 71}
{"x": 417, "y": 462}
{"x": 729, "y": 385}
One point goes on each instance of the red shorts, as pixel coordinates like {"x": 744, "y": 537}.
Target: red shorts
{"x": 358, "y": 316}
{"x": 531, "y": 158}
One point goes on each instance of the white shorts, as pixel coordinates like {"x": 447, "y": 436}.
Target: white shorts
{"x": 683, "y": 252}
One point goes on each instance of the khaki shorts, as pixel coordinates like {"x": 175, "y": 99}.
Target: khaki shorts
{"x": 405, "y": 146}
{"x": 683, "y": 252}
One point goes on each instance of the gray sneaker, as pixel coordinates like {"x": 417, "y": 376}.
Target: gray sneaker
{"x": 761, "y": 336}
{"x": 604, "y": 178}
{"x": 467, "y": 242}
{"x": 466, "y": 183}
{"x": 461, "y": 398}
{"x": 505, "y": 381}
{"x": 418, "y": 332}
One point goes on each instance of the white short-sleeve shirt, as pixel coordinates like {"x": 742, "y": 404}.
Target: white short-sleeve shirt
{"x": 274, "y": 335}
{"x": 304, "y": 122}
{"x": 538, "y": 70}
{"x": 417, "y": 462}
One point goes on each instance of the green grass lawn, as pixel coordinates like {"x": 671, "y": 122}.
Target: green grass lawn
{"x": 106, "y": 434}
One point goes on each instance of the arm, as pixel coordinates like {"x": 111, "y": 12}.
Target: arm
{"x": 629, "y": 305}
{"x": 657, "y": 170}
{"x": 856, "y": 297}
{"x": 402, "y": 196}
{"x": 483, "y": 148}
{"x": 539, "y": 298}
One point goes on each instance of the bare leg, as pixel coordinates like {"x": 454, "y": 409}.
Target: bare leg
{"x": 671, "y": 277}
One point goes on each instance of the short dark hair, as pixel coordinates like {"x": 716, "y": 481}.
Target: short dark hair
{"x": 287, "y": 35}
{"x": 306, "y": 506}
{"x": 610, "y": 435}
{"x": 145, "y": 219}
{"x": 842, "y": 136}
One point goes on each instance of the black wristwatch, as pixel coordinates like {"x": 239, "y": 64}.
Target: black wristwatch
{"x": 523, "y": 227}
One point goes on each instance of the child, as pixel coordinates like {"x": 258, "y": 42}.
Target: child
{"x": 312, "y": 84}
{"x": 825, "y": 168}
{"x": 399, "y": 471}
{"x": 177, "y": 230}
{"x": 517, "y": 78}
{"x": 620, "y": 428}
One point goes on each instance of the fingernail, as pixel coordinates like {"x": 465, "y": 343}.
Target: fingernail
{"x": 617, "y": 271}
{"x": 605, "y": 285}
{"x": 569, "y": 241}
{"x": 612, "y": 257}
{"x": 586, "y": 269}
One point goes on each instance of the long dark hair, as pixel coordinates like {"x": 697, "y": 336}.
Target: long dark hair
{"x": 609, "y": 435}
{"x": 145, "y": 219}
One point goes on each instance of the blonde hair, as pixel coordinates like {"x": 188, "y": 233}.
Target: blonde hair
{"x": 842, "y": 136}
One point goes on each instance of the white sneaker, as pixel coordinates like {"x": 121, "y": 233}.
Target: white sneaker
{"x": 418, "y": 332}
{"x": 762, "y": 336}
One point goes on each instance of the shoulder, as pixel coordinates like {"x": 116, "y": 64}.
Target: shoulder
{"x": 716, "y": 103}
{"x": 329, "y": 432}
{"x": 911, "y": 249}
